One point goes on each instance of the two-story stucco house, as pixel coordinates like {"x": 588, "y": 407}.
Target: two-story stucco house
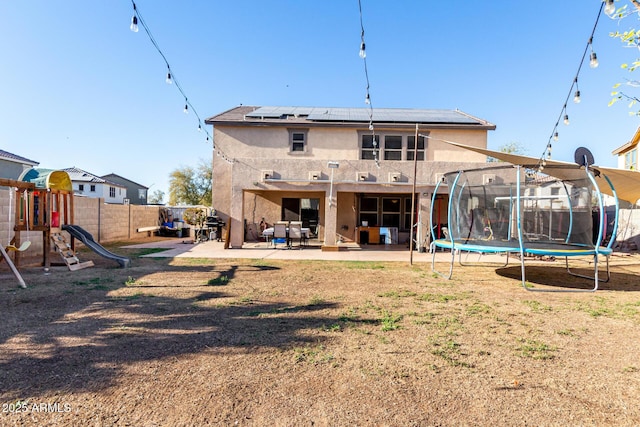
{"x": 136, "y": 193}
{"x": 628, "y": 153}
{"x": 340, "y": 171}
{"x": 90, "y": 185}
{"x": 13, "y": 166}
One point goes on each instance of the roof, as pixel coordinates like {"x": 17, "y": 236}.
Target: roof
{"x": 5, "y": 155}
{"x": 79, "y": 175}
{"x": 357, "y": 117}
{"x": 632, "y": 143}
{"x": 118, "y": 177}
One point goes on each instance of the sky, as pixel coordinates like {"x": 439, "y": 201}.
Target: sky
{"x": 79, "y": 88}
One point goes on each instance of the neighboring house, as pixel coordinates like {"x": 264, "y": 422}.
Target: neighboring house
{"x": 12, "y": 165}
{"x": 90, "y": 185}
{"x": 628, "y": 153}
{"x": 325, "y": 167}
{"x": 137, "y": 193}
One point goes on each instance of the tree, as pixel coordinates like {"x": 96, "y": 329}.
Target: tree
{"x": 156, "y": 198}
{"x": 510, "y": 148}
{"x": 630, "y": 38}
{"x": 191, "y": 186}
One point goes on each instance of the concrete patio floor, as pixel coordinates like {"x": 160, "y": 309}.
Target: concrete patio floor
{"x": 185, "y": 248}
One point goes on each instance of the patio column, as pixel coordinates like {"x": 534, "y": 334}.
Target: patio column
{"x": 330, "y": 219}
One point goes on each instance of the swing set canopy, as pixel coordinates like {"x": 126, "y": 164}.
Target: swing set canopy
{"x": 48, "y": 178}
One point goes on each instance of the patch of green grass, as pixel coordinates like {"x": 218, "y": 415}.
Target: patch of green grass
{"x": 390, "y": 321}
{"x": 218, "y": 281}
{"x": 398, "y": 294}
{"x": 478, "y": 308}
{"x": 131, "y": 282}
{"x": 313, "y": 355}
{"x": 94, "y": 281}
{"x": 148, "y": 251}
{"x": 316, "y": 300}
{"x": 449, "y": 350}
{"x": 535, "y": 349}
{"x": 363, "y": 265}
{"x": 630, "y": 369}
{"x": 537, "y": 306}
{"x": 336, "y": 327}
{"x": 442, "y": 298}
{"x": 567, "y": 332}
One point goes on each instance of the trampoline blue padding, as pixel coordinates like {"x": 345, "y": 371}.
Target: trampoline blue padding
{"x": 484, "y": 246}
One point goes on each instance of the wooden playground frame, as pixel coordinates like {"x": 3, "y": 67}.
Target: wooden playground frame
{"x": 36, "y": 209}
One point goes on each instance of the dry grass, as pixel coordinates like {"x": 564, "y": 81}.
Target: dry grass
{"x": 206, "y": 342}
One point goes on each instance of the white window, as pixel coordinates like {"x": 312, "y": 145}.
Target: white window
{"x": 393, "y": 147}
{"x": 411, "y": 147}
{"x": 298, "y": 141}
{"x": 369, "y": 145}
{"x": 112, "y": 191}
{"x": 631, "y": 159}
{"x": 142, "y": 194}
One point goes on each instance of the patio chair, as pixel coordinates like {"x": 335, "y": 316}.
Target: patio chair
{"x": 295, "y": 232}
{"x": 280, "y": 233}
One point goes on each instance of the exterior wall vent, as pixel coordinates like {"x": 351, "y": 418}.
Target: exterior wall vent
{"x": 439, "y": 178}
{"x": 267, "y": 174}
{"x": 488, "y": 178}
{"x": 395, "y": 177}
{"x": 315, "y": 175}
{"x": 362, "y": 176}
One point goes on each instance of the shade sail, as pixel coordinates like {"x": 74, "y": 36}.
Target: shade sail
{"x": 625, "y": 182}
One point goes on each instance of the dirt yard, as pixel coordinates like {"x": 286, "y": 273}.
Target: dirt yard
{"x": 196, "y": 342}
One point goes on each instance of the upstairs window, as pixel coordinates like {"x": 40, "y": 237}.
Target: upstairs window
{"x": 411, "y": 148}
{"x": 393, "y": 147}
{"x": 631, "y": 159}
{"x": 92, "y": 188}
{"x": 298, "y": 141}
{"x": 368, "y": 146}
{"x": 80, "y": 187}
{"x": 112, "y": 191}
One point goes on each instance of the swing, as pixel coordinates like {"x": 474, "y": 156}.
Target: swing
{"x": 25, "y": 245}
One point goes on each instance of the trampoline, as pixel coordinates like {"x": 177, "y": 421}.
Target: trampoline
{"x": 508, "y": 209}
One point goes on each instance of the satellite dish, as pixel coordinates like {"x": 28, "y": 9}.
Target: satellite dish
{"x": 583, "y": 157}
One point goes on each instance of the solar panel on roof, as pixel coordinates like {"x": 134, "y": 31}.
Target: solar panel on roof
{"x": 393, "y": 115}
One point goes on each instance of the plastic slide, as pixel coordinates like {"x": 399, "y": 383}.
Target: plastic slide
{"x": 85, "y": 237}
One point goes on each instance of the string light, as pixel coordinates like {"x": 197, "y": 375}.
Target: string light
{"x": 367, "y": 99}
{"x": 593, "y": 58}
{"x": 593, "y": 62}
{"x": 171, "y": 79}
{"x": 610, "y": 7}
{"x": 134, "y": 20}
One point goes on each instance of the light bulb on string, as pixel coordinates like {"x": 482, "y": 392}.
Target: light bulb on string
{"x": 168, "y": 79}
{"x": 134, "y": 24}
{"x": 363, "y": 52}
{"x": 367, "y": 99}
{"x": 609, "y": 7}
{"x": 555, "y": 136}
{"x": 186, "y": 108}
{"x": 566, "y": 119}
{"x": 199, "y": 127}
{"x": 593, "y": 60}
{"x": 576, "y": 97}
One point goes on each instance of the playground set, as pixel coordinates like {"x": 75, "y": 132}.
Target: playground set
{"x": 41, "y": 200}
